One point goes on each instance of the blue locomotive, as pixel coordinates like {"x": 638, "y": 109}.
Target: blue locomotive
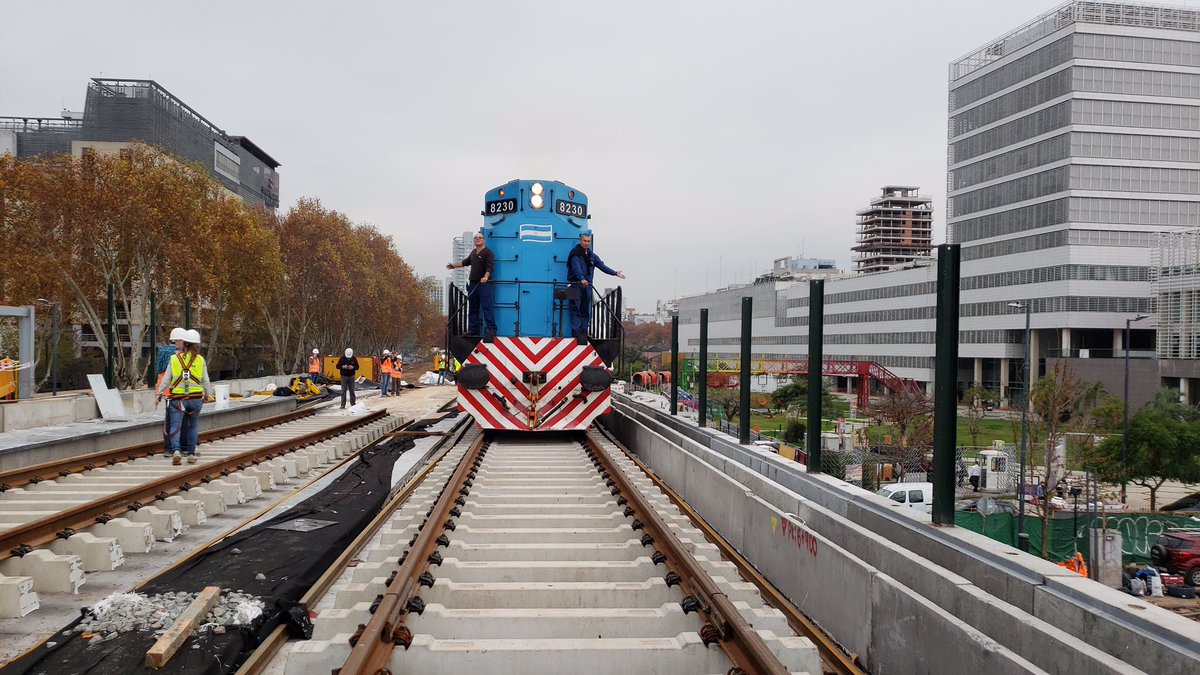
{"x": 533, "y": 375}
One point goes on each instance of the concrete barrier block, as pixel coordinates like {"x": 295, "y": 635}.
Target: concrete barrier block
{"x": 822, "y": 579}
{"x": 910, "y": 634}
{"x": 133, "y": 537}
{"x": 232, "y": 491}
{"x": 17, "y": 597}
{"x": 1043, "y": 644}
{"x": 213, "y": 500}
{"x": 97, "y": 554}
{"x": 166, "y": 523}
{"x": 191, "y": 511}
{"x": 1149, "y": 637}
{"x": 51, "y": 573}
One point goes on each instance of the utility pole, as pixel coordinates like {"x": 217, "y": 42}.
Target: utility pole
{"x": 816, "y": 366}
{"x": 945, "y": 390}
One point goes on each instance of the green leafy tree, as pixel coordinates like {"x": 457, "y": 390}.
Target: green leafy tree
{"x": 1163, "y": 438}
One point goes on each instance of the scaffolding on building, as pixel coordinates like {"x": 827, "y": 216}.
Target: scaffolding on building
{"x": 896, "y": 229}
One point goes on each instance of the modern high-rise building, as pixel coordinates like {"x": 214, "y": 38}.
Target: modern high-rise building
{"x": 1073, "y": 141}
{"x": 460, "y": 248}
{"x": 896, "y": 228}
{"x": 117, "y": 113}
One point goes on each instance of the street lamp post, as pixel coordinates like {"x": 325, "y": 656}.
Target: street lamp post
{"x": 1125, "y": 411}
{"x": 54, "y": 344}
{"x": 1022, "y": 536}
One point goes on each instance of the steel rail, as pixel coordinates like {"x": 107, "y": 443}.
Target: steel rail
{"x": 26, "y": 537}
{"x": 831, "y": 653}
{"x": 266, "y": 651}
{"x": 60, "y": 468}
{"x": 726, "y": 626}
{"x": 371, "y": 648}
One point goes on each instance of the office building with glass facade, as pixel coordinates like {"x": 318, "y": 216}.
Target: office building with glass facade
{"x": 1073, "y": 141}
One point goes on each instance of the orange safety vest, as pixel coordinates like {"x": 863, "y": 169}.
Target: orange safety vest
{"x": 385, "y": 365}
{"x": 314, "y": 364}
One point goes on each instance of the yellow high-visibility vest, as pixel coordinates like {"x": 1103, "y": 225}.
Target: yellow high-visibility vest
{"x": 186, "y": 377}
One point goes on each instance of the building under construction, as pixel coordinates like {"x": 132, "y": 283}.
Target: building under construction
{"x": 897, "y": 228}
{"x": 119, "y": 112}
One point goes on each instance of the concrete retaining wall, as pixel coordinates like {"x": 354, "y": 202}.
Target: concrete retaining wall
{"x": 80, "y": 406}
{"x": 97, "y": 437}
{"x": 1044, "y": 616}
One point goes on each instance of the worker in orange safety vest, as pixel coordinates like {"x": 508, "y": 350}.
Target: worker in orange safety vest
{"x": 385, "y": 370}
{"x": 314, "y": 365}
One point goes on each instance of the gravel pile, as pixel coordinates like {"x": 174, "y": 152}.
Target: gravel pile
{"x": 123, "y": 612}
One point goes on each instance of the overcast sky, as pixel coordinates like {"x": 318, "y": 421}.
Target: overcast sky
{"x": 711, "y": 137}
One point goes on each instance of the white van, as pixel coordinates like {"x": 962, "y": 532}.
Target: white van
{"x": 916, "y": 495}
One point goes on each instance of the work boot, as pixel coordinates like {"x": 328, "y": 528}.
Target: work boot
{"x": 176, "y": 459}
{"x": 191, "y": 459}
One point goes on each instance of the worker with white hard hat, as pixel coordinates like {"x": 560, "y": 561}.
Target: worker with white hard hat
{"x": 385, "y": 372}
{"x": 348, "y": 368}
{"x": 185, "y": 386}
{"x": 314, "y": 365}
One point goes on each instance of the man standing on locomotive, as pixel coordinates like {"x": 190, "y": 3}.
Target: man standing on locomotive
{"x": 581, "y": 265}
{"x": 479, "y": 293}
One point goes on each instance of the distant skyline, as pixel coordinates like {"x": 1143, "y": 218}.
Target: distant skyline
{"x": 711, "y": 139}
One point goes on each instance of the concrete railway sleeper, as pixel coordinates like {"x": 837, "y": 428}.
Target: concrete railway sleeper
{"x": 61, "y": 468}
{"x": 544, "y": 554}
{"x": 56, "y": 530}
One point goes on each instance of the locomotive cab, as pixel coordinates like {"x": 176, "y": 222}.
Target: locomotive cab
{"x": 535, "y": 374}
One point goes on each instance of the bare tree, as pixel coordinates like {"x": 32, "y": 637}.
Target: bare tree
{"x": 976, "y": 398}
{"x": 903, "y": 409}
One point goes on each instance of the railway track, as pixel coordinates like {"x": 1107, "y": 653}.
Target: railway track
{"x": 62, "y": 519}
{"x": 538, "y": 554}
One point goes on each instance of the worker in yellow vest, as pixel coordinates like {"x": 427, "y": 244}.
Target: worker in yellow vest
{"x": 314, "y": 366}
{"x": 385, "y": 372}
{"x": 186, "y": 384}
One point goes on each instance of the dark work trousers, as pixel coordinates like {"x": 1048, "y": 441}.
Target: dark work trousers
{"x": 581, "y": 312}
{"x": 347, "y": 386}
{"x": 479, "y": 299}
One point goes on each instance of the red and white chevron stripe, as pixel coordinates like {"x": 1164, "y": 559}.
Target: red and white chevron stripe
{"x": 510, "y": 403}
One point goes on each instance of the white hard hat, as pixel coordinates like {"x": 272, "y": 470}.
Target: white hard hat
{"x": 316, "y": 351}
{"x": 177, "y": 334}
{"x": 191, "y": 336}
{"x": 349, "y": 352}
{"x": 386, "y": 352}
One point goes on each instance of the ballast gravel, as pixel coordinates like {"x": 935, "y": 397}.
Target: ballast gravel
{"x": 124, "y": 612}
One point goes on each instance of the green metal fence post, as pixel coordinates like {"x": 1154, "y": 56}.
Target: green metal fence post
{"x": 702, "y": 385}
{"x": 110, "y": 365}
{"x": 675, "y": 363}
{"x": 744, "y": 380}
{"x": 945, "y": 388}
{"x": 816, "y": 361}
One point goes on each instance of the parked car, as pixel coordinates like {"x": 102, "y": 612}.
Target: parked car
{"x": 1179, "y": 552}
{"x": 1188, "y": 503}
{"x": 917, "y": 495}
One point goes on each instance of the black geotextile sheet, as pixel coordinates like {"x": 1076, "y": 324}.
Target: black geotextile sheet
{"x": 291, "y": 561}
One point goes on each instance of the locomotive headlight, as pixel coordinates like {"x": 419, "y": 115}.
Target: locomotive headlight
{"x": 536, "y": 188}
{"x": 536, "y": 201}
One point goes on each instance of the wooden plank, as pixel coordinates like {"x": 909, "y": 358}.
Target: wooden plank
{"x": 182, "y": 629}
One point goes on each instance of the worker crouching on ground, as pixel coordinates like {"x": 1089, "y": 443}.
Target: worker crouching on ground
{"x": 185, "y": 385}
{"x": 348, "y": 367}
{"x": 385, "y": 373}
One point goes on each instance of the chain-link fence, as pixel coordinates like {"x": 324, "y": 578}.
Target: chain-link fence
{"x": 978, "y": 471}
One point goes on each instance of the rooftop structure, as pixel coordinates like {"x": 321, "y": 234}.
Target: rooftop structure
{"x": 896, "y": 228}
{"x": 118, "y": 112}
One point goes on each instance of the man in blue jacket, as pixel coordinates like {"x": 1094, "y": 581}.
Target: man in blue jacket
{"x": 581, "y": 264}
